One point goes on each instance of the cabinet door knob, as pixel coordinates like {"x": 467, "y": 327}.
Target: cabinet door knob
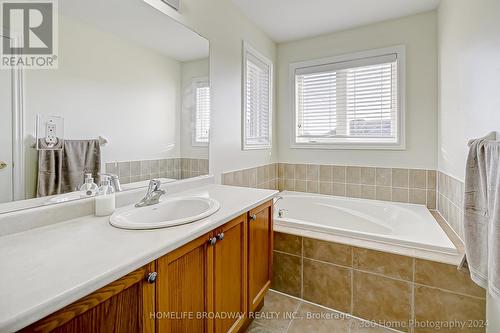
{"x": 3, "y": 165}
{"x": 220, "y": 236}
{"x": 151, "y": 278}
{"x": 212, "y": 241}
{"x": 253, "y": 217}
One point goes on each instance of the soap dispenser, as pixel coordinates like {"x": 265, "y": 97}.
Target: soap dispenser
{"x": 105, "y": 199}
{"x": 89, "y": 188}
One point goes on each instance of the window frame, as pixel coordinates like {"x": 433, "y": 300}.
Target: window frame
{"x": 195, "y": 84}
{"x": 400, "y": 143}
{"x": 247, "y": 48}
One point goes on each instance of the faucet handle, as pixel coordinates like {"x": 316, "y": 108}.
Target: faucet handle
{"x": 154, "y": 185}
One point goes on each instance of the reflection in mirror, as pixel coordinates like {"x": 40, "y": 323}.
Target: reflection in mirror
{"x": 128, "y": 100}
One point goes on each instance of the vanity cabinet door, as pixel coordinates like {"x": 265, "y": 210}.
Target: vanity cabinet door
{"x": 125, "y": 305}
{"x": 260, "y": 247}
{"x": 184, "y": 288}
{"x": 231, "y": 276}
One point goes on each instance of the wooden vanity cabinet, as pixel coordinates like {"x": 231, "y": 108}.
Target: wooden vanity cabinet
{"x": 260, "y": 253}
{"x": 203, "y": 284}
{"x": 122, "y": 306}
{"x": 206, "y": 286}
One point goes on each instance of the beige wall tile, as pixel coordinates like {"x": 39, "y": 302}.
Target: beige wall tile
{"x": 339, "y": 189}
{"x": 281, "y": 184}
{"x": 273, "y": 170}
{"x": 400, "y": 194}
{"x": 400, "y": 178}
{"x": 392, "y": 265}
{"x": 288, "y": 243}
{"x": 379, "y": 298}
{"x": 262, "y": 175}
{"x": 251, "y": 176}
{"x": 325, "y": 173}
{"x": 281, "y": 170}
{"x": 383, "y": 176}
{"x": 431, "y": 179}
{"x": 326, "y": 188}
{"x": 445, "y": 276}
{"x": 418, "y": 179}
{"x": 368, "y": 192}
{"x": 289, "y": 171}
{"x": 368, "y": 176}
{"x": 287, "y": 274}
{"x": 353, "y": 190}
{"x": 383, "y": 193}
{"x": 312, "y": 172}
{"x": 328, "y": 285}
{"x": 300, "y": 171}
{"x": 353, "y": 175}
{"x": 124, "y": 169}
{"x": 228, "y": 178}
{"x": 300, "y": 185}
{"x": 327, "y": 251}
{"x": 312, "y": 186}
{"x": 431, "y": 199}
{"x": 435, "y": 305}
{"x": 418, "y": 196}
{"x": 289, "y": 184}
{"x": 339, "y": 174}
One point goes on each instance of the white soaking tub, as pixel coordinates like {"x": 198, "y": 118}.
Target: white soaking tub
{"x": 406, "y": 229}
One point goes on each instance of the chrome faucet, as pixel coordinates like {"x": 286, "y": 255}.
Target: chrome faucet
{"x": 114, "y": 180}
{"x": 153, "y": 195}
{"x": 277, "y": 199}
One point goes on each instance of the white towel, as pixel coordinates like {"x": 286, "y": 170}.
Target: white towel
{"x": 482, "y": 213}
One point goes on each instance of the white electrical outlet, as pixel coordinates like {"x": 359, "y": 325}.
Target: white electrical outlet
{"x": 51, "y": 132}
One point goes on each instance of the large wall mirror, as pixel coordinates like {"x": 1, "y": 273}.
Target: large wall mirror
{"x": 130, "y": 99}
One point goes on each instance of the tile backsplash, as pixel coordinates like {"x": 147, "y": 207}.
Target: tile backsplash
{"x": 450, "y": 201}
{"x": 388, "y": 184}
{"x": 264, "y": 176}
{"x": 175, "y": 168}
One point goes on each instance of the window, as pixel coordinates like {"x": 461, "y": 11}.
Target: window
{"x": 201, "y": 114}
{"x": 257, "y": 90}
{"x": 350, "y": 102}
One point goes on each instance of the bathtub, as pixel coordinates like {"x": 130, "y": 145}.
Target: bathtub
{"x": 405, "y": 229}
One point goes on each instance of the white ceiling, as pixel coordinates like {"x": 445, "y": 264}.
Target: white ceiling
{"x": 286, "y": 20}
{"x": 138, "y": 22}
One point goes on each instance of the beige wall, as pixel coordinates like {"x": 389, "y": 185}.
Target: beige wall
{"x": 226, "y": 27}
{"x": 418, "y": 33}
{"x": 469, "y": 99}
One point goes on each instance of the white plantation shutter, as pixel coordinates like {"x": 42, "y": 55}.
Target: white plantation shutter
{"x": 257, "y": 101}
{"x": 202, "y": 113}
{"x": 348, "y": 102}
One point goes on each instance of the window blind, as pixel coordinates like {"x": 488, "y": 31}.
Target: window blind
{"x": 202, "y": 114}
{"x": 350, "y": 101}
{"x": 257, "y": 105}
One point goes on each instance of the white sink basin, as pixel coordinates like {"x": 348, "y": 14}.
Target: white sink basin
{"x": 168, "y": 213}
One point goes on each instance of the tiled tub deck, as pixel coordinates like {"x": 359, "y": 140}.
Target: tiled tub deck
{"x": 390, "y": 289}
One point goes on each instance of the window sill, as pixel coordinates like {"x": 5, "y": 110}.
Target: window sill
{"x": 347, "y": 146}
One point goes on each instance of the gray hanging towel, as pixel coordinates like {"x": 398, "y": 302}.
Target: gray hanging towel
{"x": 482, "y": 214}
{"x": 62, "y": 171}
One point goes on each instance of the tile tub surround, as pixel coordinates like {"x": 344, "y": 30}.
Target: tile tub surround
{"x": 175, "y": 168}
{"x": 386, "y": 288}
{"x": 264, "y": 176}
{"x": 387, "y": 184}
{"x": 450, "y": 202}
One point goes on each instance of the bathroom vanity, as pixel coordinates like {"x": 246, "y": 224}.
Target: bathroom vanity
{"x": 206, "y": 276}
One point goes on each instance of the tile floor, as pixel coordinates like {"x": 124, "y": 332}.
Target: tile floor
{"x": 276, "y": 317}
